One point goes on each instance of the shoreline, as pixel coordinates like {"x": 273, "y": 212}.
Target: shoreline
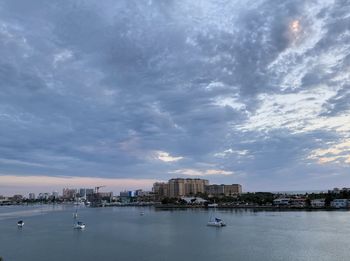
{"x": 158, "y": 206}
{"x": 255, "y": 208}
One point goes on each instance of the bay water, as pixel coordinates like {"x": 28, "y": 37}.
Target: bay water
{"x": 123, "y": 233}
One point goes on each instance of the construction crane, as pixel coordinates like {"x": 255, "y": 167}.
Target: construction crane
{"x": 97, "y": 188}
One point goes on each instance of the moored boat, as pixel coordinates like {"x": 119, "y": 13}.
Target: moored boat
{"x": 79, "y": 225}
{"x": 20, "y": 223}
{"x": 217, "y": 222}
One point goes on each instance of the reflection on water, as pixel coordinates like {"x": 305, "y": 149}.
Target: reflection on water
{"x": 26, "y": 211}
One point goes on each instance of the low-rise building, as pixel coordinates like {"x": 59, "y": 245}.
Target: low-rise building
{"x": 298, "y": 202}
{"x": 17, "y": 198}
{"x": 281, "y": 201}
{"x": 339, "y": 203}
{"x": 4, "y": 201}
{"x": 318, "y": 203}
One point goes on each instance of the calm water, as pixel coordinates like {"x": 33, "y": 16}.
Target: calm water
{"x": 123, "y": 234}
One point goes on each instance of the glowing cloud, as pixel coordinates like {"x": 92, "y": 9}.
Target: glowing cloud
{"x": 337, "y": 153}
{"x": 165, "y": 156}
{"x": 208, "y": 172}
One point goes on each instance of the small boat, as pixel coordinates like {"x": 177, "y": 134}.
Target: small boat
{"x": 79, "y": 225}
{"x": 217, "y": 222}
{"x": 142, "y": 213}
{"x": 20, "y": 223}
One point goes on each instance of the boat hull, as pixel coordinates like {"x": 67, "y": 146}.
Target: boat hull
{"x": 216, "y": 224}
{"x": 80, "y": 227}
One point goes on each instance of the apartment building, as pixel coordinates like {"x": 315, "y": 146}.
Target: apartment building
{"x": 220, "y": 190}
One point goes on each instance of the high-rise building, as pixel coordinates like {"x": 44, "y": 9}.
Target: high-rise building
{"x": 234, "y": 189}
{"x": 176, "y": 188}
{"x": 221, "y": 190}
{"x": 186, "y": 187}
{"x": 55, "y": 194}
{"x": 161, "y": 189}
{"x": 82, "y": 192}
{"x": 106, "y": 195}
{"x": 215, "y": 190}
{"x": 127, "y": 194}
{"x": 69, "y": 193}
{"x": 89, "y": 191}
{"x": 181, "y": 187}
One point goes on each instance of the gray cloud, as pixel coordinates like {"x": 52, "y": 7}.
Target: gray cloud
{"x": 94, "y": 89}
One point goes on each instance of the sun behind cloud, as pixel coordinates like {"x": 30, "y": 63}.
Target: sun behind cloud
{"x": 295, "y": 26}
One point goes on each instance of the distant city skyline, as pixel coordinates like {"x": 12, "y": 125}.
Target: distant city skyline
{"x": 127, "y": 93}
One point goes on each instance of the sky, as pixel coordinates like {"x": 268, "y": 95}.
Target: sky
{"x": 126, "y": 93}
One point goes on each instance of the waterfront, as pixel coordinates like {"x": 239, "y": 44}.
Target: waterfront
{"x": 123, "y": 234}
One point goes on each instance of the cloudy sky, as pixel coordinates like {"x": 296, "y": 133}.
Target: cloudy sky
{"x": 125, "y": 93}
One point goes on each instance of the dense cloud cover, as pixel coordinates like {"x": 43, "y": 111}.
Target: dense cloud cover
{"x": 254, "y": 92}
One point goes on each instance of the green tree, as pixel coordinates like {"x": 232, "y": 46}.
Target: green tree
{"x": 328, "y": 200}
{"x": 308, "y": 202}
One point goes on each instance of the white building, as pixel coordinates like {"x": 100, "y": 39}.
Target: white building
{"x": 318, "y": 203}
{"x": 281, "y": 201}
{"x": 339, "y": 203}
{"x": 194, "y": 200}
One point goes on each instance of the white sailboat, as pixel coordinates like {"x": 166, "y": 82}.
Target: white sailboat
{"x": 20, "y": 223}
{"x": 215, "y": 221}
{"x": 79, "y": 225}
